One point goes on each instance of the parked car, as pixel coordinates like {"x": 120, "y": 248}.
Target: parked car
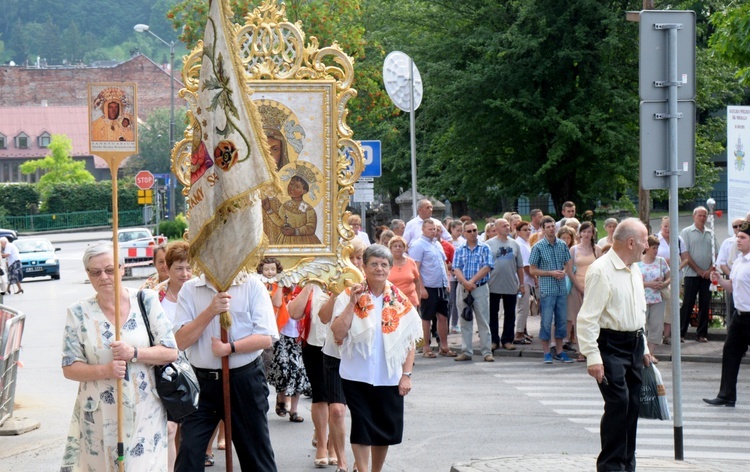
{"x": 38, "y": 258}
{"x": 8, "y": 233}
{"x": 137, "y": 247}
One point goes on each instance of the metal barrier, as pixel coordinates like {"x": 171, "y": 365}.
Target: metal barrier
{"x": 11, "y": 331}
{"x": 72, "y": 220}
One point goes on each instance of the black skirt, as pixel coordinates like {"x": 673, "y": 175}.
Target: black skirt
{"x": 332, "y": 378}
{"x": 377, "y": 413}
{"x": 312, "y": 356}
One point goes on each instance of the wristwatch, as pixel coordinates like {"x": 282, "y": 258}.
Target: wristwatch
{"x": 135, "y": 355}
{"x": 408, "y": 374}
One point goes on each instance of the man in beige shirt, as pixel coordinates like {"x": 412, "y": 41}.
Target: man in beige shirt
{"x": 610, "y": 335}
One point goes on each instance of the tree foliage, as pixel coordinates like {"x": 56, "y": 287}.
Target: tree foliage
{"x": 153, "y": 142}
{"x": 69, "y": 197}
{"x": 732, "y": 37}
{"x": 19, "y": 198}
{"x": 58, "y": 167}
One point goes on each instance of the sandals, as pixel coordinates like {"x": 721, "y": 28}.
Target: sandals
{"x": 295, "y": 418}
{"x": 321, "y": 463}
{"x": 521, "y": 341}
{"x": 446, "y": 353}
{"x": 281, "y": 408}
{"x": 208, "y": 461}
{"x": 581, "y": 358}
{"x": 429, "y": 354}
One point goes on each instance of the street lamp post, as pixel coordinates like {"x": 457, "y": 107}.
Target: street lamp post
{"x": 141, "y": 28}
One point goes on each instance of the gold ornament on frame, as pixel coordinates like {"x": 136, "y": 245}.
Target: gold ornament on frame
{"x": 301, "y": 92}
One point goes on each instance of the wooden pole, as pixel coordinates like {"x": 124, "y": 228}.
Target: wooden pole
{"x": 227, "y": 404}
{"x": 118, "y": 284}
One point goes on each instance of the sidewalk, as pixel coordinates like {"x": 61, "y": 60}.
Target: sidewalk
{"x": 566, "y": 463}
{"x": 691, "y": 350}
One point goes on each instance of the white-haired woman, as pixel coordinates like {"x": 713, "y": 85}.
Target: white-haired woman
{"x": 377, "y": 327}
{"x": 92, "y": 357}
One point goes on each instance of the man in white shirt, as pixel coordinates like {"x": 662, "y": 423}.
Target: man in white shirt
{"x": 610, "y": 335}
{"x": 198, "y": 333}
{"x": 738, "y": 332}
{"x": 414, "y": 226}
{"x": 728, "y": 252}
{"x": 15, "y": 274}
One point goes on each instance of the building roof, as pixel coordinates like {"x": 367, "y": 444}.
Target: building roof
{"x": 71, "y": 121}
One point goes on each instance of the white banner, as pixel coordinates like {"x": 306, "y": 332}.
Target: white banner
{"x": 738, "y": 167}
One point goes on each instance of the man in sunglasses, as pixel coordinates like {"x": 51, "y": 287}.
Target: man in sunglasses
{"x": 728, "y": 252}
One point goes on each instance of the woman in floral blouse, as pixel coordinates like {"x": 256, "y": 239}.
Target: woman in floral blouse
{"x": 92, "y": 357}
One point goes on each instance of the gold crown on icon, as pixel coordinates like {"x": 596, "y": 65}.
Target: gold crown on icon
{"x": 272, "y": 117}
{"x": 304, "y": 173}
{"x": 111, "y": 94}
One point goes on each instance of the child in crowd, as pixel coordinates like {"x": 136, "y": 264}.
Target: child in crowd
{"x": 287, "y": 371}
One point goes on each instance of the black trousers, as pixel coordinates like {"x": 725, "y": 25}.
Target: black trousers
{"x": 735, "y": 347}
{"x": 622, "y": 356}
{"x": 250, "y": 437}
{"x": 509, "y": 317}
{"x": 700, "y": 287}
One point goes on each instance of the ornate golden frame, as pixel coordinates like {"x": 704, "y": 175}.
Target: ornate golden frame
{"x": 285, "y": 73}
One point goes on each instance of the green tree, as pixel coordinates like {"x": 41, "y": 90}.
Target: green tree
{"x": 59, "y": 167}
{"x": 153, "y": 142}
{"x": 732, "y": 37}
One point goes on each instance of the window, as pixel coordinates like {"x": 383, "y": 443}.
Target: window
{"x": 43, "y": 140}
{"x": 2, "y": 142}
{"x": 22, "y": 141}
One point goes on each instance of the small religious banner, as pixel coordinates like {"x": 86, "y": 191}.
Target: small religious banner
{"x": 113, "y": 118}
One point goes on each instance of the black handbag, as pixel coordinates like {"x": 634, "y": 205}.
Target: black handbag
{"x": 176, "y": 382}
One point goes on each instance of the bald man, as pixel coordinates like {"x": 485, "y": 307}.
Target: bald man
{"x": 610, "y": 335}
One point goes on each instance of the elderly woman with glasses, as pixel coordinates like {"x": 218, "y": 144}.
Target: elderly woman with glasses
{"x": 92, "y": 357}
{"x": 377, "y": 328}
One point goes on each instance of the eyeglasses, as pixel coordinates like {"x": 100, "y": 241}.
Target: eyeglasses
{"x": 98, "y": 272}
{"x": 470, "y": 230}
{"x": 736, "y": 226}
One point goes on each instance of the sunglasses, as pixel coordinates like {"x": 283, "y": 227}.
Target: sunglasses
{"x": 98, "y": 272}
{"x": 470, "y": 230}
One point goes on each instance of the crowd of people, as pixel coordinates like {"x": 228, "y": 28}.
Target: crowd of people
{"x": 423, "y": 279}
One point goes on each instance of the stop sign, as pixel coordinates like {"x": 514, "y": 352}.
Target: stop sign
{"x": 144, "y": 180}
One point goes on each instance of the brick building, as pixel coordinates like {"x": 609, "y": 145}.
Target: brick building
{"x": 38, "y": 102}
{"x": 67, "y": 86}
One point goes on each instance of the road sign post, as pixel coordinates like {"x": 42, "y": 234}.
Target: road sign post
{"x": 667, "y": 76}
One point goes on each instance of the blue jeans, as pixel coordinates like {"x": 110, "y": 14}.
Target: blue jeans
{"x": 554, "y": 306}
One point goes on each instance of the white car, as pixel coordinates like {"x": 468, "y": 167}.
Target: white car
{"x": 137, "y": 247}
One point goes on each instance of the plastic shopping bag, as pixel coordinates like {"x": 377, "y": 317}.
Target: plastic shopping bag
{"x": 653, "y": 395}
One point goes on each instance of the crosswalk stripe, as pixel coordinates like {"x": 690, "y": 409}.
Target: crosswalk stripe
{"x": 691, "y": 454}
{"x": 694, "y": 432}
{"x": 742, "y": 423}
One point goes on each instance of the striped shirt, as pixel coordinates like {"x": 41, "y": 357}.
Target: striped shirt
{"x": 546, "y": 256}
{"x": 471, "y": 261}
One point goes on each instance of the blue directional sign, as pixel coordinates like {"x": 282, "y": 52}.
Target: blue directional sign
{"x": 373, "y": 161}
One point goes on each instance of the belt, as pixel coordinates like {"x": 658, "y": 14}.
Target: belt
{"x": 622, "y": 334}
{"x": 209, "y": 374}
{"x": 481, "y": 283}
{"x": 742, "y": 313}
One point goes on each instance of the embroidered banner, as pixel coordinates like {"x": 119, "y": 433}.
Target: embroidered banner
{"x": 231, "y": 165}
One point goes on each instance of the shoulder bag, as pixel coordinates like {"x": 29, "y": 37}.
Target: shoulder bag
{"x": 176, "y": 382}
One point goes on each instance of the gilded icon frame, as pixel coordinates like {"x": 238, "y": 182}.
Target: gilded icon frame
{"x": 302, "y": 92}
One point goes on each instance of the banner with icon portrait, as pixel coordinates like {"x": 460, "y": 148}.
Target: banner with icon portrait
{"x": 738, "y": 167}
{"x": 300, "y": 92}
{"x": 113, "y": 118}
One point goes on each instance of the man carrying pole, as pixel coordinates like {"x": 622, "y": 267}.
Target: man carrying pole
{"x": 231, "y": 168}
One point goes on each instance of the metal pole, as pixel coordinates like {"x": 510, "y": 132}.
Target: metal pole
{"x": 413, "y": 141}
{"x": 674, "y": 256}
{"x": 171, "y": 128}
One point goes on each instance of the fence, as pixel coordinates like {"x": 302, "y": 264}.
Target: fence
{"x": 11, "y": 331}
{"x": 70, "y": 220}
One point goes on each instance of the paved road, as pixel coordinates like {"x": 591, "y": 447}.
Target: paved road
{"x": 457, "y": 411}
